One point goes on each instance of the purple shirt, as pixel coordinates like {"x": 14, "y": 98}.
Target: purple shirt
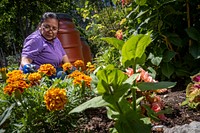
{"x": 41, "y": 51}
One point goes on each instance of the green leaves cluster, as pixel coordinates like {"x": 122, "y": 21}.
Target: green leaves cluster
{"x": 114, "y": 85}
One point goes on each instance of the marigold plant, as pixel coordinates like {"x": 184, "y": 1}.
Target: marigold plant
{"x": 75, "y": 74}
{"x": 55, "y": 99}
{"x": 67, "y": 66}
{"x": 19, "y": 85}
{"x": 34, "y": 78}
{"x": 47, "y": 69}
{"x": 79, "y": 64}
{"x": 14, "y": 76}
{"x": 79, "y": 79}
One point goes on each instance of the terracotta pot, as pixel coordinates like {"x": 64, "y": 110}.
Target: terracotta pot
{"x": 70, "y": 38}
{"x": 87, "y": 55}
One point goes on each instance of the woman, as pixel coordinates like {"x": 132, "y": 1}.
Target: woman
{"x": 43, "y": 46}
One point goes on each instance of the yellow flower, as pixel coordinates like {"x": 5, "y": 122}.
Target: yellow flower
{"x": 55, "y": 99}
{"x": 34, "y": 78}
{"x": 67, "y": 66}
{"x": 15, "y": 85}
{"x": 122, "y": 21}
{"x": 79, "y": 64}
{"x": 3, "y": 69}
{"x": 47, "y": 69}
{"x": 90, "y": 67}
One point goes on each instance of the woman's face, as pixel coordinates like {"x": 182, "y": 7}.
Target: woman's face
{"x": 49, "y": 29}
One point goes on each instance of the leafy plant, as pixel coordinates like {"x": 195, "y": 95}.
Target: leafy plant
{"x": 193, "y": 92}
{"x": 114, "y": 86}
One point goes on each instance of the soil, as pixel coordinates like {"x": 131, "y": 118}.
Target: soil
{"x": 96, "y": 121}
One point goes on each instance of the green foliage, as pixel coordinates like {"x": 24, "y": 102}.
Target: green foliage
{"x": 114, "y": 85}
{"x": 134, "y": 48}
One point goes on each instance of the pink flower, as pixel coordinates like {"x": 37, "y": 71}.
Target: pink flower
{"x": 129, "y": 71}
{"x": 125, "y": 2}
{"x": 156, "y": 106}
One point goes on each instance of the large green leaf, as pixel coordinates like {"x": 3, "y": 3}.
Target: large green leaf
{"x": 143, "y": 86}
{"x": 174, "y": 39}
{"x": 134, "y": 48}
{"x": 114, "y": 41}
{"x": 141, "y": 60}
{"x": 110, "y": 79}
{"x": 6, "y": 114}
{"x": 167, "y": 69}
{"x": 92, "y": 103}
{"x": 193, "y": 33}
{"x": 168, "y": 55}
{"x": 112, "y": 84}
{"x": 195, "y": 50}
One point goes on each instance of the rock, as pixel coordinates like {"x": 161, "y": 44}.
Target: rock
{"x": 193, "y": 127}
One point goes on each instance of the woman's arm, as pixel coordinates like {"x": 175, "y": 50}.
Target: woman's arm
{"x": 25, "y": 60}
{"x": 65, "y": 59}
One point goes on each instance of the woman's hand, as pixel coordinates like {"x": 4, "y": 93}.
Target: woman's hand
{"x": 29, "y": 68}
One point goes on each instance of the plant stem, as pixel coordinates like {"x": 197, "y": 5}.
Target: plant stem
{"x": 134, "y": 89}
{"x": 134, "y": 98}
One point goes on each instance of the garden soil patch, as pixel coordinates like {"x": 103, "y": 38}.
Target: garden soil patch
{"x": 96, "y": 121}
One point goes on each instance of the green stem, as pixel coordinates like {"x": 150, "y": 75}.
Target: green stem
{"x": 134, "y": 98}
{"x": 133, "y": 89}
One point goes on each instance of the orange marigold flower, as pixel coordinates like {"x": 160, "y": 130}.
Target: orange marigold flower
{"x": 15, "y": 75}
{"x": 47, "y": 69}
{"x": 119, "y": 34}
{"x": 15, "y": 85}
{"x": 67, "y": 66}
{"x": 75, "y": 74}
{"x": 55, "y": 99}
{"x": 78, "y": 80}
{"x": 34, "y": 78}
{"x": 79, "y": 63}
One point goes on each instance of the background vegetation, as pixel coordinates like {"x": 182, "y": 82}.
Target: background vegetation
{"x": 174, "y": 53}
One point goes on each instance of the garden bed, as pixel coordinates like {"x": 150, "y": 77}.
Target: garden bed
{"x": 95, "y": 120}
